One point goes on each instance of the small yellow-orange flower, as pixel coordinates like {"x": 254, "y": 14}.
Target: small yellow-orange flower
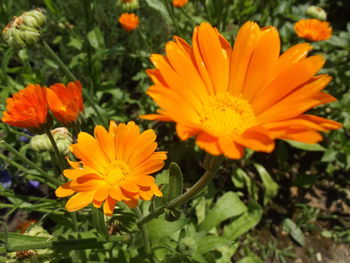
{"x": 313, "y": 29}
{"x": 245, "y": 96}
{"x": 179, "y": 3}
{"x": 129, "y": 21}
{"x": 65, "y": 102}
{"x": 115, "y": 165}
{"x": 28, "y": 109}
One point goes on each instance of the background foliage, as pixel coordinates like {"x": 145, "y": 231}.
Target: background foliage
{"x": 263, "y": 208}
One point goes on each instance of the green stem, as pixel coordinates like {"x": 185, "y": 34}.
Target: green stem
{"x": 71, "y": 77}
{"x": 144, "y": 232}
{"x": 58, "y": 155}
{"x": 31, "y": 164}
{"x": 172, "y": 17}
{"x": 60, "y": 63}
{"x": 212, "y": 165}
{"x": 75, "y": 222}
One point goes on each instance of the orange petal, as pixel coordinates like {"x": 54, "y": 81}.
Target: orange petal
{"x": 230, "y": 149}
{"x": 64, "y": 190}
{"x": 79, "y": 201}
{"x": 108, "y": 206}
{"x": 245, "y": 43}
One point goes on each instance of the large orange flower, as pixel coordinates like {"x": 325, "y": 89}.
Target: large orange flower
{"x": 313, "y": 29}
{"x": 65, "y": 102}
{"x": 179, "y": 3}
{"x": 28, "y": 109}
{"x": 129, "y": 21}
{"x": 247, "y": 96}
{"x": 114, "y": 166}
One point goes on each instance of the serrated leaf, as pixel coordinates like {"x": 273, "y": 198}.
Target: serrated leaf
{"x": 294, "y": 231}
{"x": 175, "y": 182}
{"x": 227, "y": 206}
{"x": 160, "y": 228}
{"x": 271, "y": 187}
{"x": 306, "y": 146}
{"x": 244, "y": 222}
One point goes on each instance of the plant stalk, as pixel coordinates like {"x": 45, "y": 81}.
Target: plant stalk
{"x": 211, "y": 170}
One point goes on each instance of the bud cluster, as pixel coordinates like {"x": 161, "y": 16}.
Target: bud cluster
{"x": 25, "y": 29}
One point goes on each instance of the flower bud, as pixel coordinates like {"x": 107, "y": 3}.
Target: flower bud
{"x": 128, "y": 5}
{"x": 62, "y": 137}
{"x": 316, "y": 12}
{"x": 187, "y": 246}
{"x": 24, "y": 30}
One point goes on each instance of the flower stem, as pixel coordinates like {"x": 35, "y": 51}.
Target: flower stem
{"x": 75, "y": 222}
{"x": 31, "y": 164}
{"x": 58, "y": 155}
{"x": 212, "y": 165}
{"x": 71, "y": 77}
{"x": 60, "y": 63}
{"x": 144, "y": 232}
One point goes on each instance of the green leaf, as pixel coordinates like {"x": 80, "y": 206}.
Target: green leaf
{"x": 228, "y": 205}
{"x": 209, "y": 243}
{"x": 19, "y": 242}
{"x": 245, "y": 222}
{"x": 160, "y": 228}
{"x": 95, "y": 38}
{"x": 271, "y": 187}
{"x": 51, "y": 6}
{"x": 240, "y": 179}
{"x": 306, "y": 146}
{"x": 294, "y": 231}
{"x": 175, "y": 181}
{"x": 98, "y": 222}
{"x": 155, "y": 4}
{"x": 250, "y": 259}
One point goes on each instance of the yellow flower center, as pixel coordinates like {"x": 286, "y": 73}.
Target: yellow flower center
{"x": 117, "y": 172}
{"x": 226, "y": 115}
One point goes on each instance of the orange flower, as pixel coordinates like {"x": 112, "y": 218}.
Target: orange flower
{"x": 245, "y": 96}
{"x": 65, "y": 102}
{"x": 179, "y": 3}
{"x": 114, "y": 166}
{"x": 129, "y": 21}
{"x": 313, "y": 29}
{"x": 28, "y": 109}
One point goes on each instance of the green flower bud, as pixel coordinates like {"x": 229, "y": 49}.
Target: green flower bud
{"x": 62, "y": 137}
{"x": 34, "y": 18}
{"x": 316, "y": 12}
{"x": 187, "y": 246}
{"x": 128, "y": 5}
{"x": 24, "y": 30}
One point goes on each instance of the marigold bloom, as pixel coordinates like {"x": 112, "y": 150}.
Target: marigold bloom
{"x": 313, "y": 29}
{"x": 114, "y": 166}
{"x": 28, "y": 109}
{"x": 65, "y": 102}
{"x": 129, "y": 21}
{"x": 245, "y": 96}
{"x": 179, "y": 3}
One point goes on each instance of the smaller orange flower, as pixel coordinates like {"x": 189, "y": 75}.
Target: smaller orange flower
{"x": 65, "y": 102}
{"x": 313, "y": 29}
{"x": 28, "y": 109}
{"x": 129, "y": 21}
{"x": 179, "y": 3}
{"x": 114, "y": 166}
